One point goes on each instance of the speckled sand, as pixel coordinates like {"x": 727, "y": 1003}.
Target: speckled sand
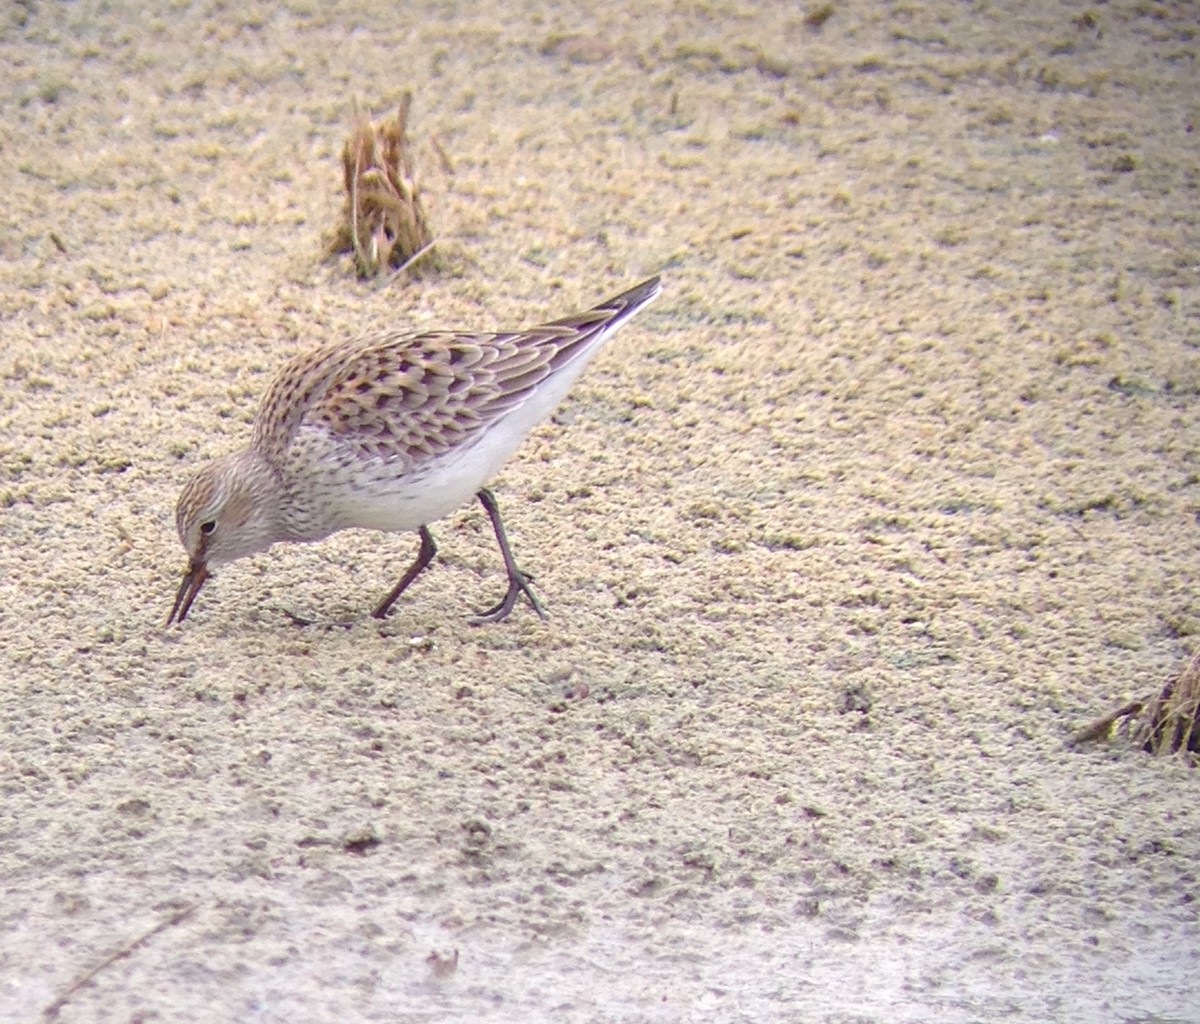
{"x": 894, "y": 487}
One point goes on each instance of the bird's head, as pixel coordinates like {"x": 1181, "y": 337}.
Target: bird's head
{"x": 228, "y": 510}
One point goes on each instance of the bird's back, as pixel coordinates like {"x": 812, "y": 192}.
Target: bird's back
{"x": 426, "y": 418}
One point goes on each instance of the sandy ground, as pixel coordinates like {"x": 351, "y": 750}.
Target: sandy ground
{"x": 894, "y": 487}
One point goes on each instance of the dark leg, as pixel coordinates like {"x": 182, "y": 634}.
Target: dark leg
{"x": 424, "y": 556}
{"x": 518, "y": 582}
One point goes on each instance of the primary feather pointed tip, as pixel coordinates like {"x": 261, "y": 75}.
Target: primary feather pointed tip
{"x": 634, "y": 298}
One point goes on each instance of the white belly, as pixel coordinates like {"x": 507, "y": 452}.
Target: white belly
{"x": 376, "y": 499}
{"x": 346, "y": 491}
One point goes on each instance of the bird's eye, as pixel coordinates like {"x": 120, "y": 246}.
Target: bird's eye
{"x": 209, "y": 527}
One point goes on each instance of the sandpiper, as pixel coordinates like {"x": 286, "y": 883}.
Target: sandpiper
{"x": 391, "y": 432}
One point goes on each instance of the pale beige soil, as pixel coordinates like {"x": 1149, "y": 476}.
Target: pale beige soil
{"x": 894, "y": 487}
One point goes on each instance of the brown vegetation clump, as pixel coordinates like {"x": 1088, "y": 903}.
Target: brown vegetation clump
{"x": 1166, "y": 723}
{"x": 385, "y": 224}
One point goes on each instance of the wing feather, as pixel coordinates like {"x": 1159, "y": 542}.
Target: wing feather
{"x": 410, "y": 397}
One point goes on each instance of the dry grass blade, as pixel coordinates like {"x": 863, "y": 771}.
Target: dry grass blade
{"x": 55, "y": 1008}
{"x": 1102, "y": 727}
{"x": 1168, "y": 723}
{"x": 386, "y": 225}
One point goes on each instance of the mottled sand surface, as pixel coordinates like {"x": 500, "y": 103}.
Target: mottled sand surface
{"x": 894, "y": 487}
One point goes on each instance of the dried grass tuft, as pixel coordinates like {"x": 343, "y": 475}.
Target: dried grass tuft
{"x": 385, "y": 224}
{"x": 1168, "y": 723}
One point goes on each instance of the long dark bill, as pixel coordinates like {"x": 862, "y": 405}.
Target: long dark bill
{"x": 193, "y": 580}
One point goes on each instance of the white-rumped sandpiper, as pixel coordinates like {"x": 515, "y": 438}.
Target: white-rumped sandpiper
{"x": 389, "y": 432}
